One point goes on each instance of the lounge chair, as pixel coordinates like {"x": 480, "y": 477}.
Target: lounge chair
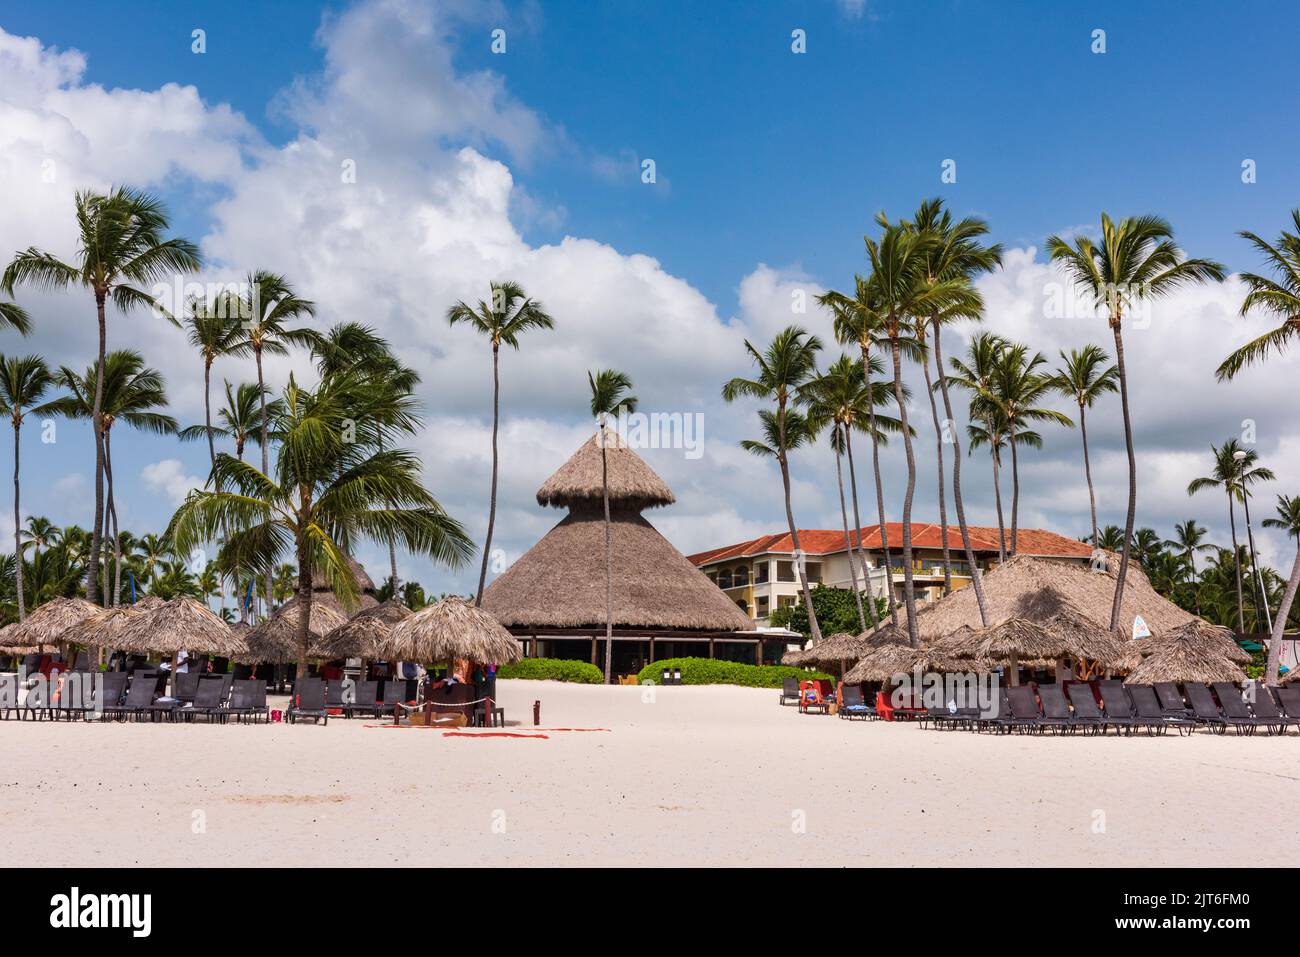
{"x": 811, "y": 697}
{"x": 334, "y": 696}
{"x": 1150, "y": 715}
{"x": 186, "y": 686}
{"x": 207, "y": 702}
{"x": 139, "y": 698}
{"x": 854, "y": 706}
{"x": 308, "y": 701}
{"x": 1289, "y": 699}
{"x": 394, "y": 693}
{"x": 1235, "y": 710}
{"x": 1204, "y": 709}
{"x": 108, "y": 695}
{"x": 244, "y": 702}
{"x": 789, "y": 691}
{"x": 1056, "y": 710}
{"x": 1087, "y": 713}
{"x": 365, "y": 700}
{"x": 1171, "y": 700}
{"x": 1115, "y": 700}
{"x": 9, "y": 696}
{"x": 71, "y": 696}
{"x": 1265, "y": 707}
{"x": 1025, "y": 715}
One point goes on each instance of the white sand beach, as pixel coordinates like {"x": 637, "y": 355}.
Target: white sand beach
{"x": 697, "y": 775}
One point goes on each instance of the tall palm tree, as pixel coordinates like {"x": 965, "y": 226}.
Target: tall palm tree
{"x": 1084, "y": 377}
{"x": 859, "y": 321}
{"x": 1279, "y": 297}
{"x": 213, "y": 332}
{"x": 609, "y": 396}
{"x": 130, "y": 392}
{"x": 502, "y": 321}
{"x": 24, "y": 381}
{"x": 40, "y": 533}
{"x": 975, "y": 375}
{"x": 957, "y": 256}
{"x": 1233, "y": 476}
{"x": 1137, "y": 260}
{"x": 1189, "y": 538}
{"x": 239, "y": 419}
{"x": 120, "y": 250}
{"x": 1147, "y": 546}
{"x": 1288, "y": 520}
{"x": 325, "y": 493}
{"x": 1016, "y": 388}
{"x": 784, "y": 369}
{"x": 993, "y": 435}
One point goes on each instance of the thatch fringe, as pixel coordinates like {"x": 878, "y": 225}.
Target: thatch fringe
{"x": 449, "y": 630}
{"x": 50, "y": 622}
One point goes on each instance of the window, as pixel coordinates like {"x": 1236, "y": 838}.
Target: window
{"x": 814, "y": 572}
{"x": 762, "y": 606}
{"x": 785, "y": 571}
{"x": 724, "y": 578}
{"x": 740, "y": 575}
{"x": 760, "y": 573}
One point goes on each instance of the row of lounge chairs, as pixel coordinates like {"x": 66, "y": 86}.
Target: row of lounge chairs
{"x": 115, "y": 695}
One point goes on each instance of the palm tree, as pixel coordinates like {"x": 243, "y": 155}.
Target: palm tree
{"x": 325, "y": 493}
{"x": 154, "y": 550}
{"x": 268, "y": 304}
{"x": 510, "y": 314}
{"x": 859, "y": 321}
{"x": 130, "y": 392}
{"x": 1111, "y": 538}
{"x": 1288, "y": 520}
{"x": 1279, "y": 297}
{"x": 1016, "y": 388}
{"x": 1189, "y": 538}
{"x": 784, "y": 369}
{"x": 15, "y": 317}
{"x": 40, "y": 533}
{"x": 1167, "y": 572}
{"x": 975, "y": 375}
{"x": 609, "y": 396}
{"x": 283, "y": 583}
{"x": 992, "y": 434}
{"x": 239, "y": 418}
{"x": 121, "y": 249}
{"x": 1084, "y": 377}
{"x": 1233, "y": 475}
{"x": 212, "y": 332}
{"x": 23, "y": 384}
{"x": 1136, "y": 261}
{"x": 1147, "y": 546}
{"x": 956, "y": 257}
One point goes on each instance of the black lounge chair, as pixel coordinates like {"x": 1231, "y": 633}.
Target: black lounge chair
{"x": 207, "y": 702}
{"x": 334, "y": 696}
{"x": 1289, "y": 699}
{"x": 1025, "y": 715}
{"x": 789, "y": 691}
{"x": 1171, "y": 700}
{"x": 9, "y": 696}
{"x": 1086, "y": 712}
{"x": 248, "y": 700}
{"x": 394, "y": 694}
{"x": 1204, "y": 709}
{"x": 1056, "y": 710}
{"x": 1266, "y": 709}
{"x": 1115, "y": 699}
{"x": 139, "y": 699}
{"x": 108, "y": 694}
{"x": 365, "y": 700}
{"x": 187, "y": 685}
{"x": 75, "y": 695}
{"x": 854, "y": 705}
{"x": 308, "y": 701}
{"x": 1235, "y": 710}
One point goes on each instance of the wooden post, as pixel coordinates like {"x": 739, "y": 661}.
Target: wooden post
{"x": 758, "y": 651}
{"x": 593, "y": 651}
{"x": 710, "y": 648}
{"x": 652, "y": 650}
{"x": 537, "y": 713}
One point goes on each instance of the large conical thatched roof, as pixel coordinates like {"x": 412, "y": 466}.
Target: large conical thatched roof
{"x": 632, "y": 483}
{"x": 360, "y": 635}
{"x": 181, "y": 624}
{"x": 1188, "y": 654}
{"x": 449, "y": 630}
{"x": 276, "y": 639}
{"x": 1214, "y": 639}
{"x": 50, "y": 622}
{"x": 560, "y": 581}
{"x": 1038, "y": 588}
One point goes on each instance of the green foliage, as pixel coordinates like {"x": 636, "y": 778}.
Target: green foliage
{"x": 711, "y": 671}
{"x": 553, "y": 669}
{"x": 836, "y": 611}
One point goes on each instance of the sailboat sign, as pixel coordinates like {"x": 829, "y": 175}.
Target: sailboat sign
{"x": 1140, "y": 628}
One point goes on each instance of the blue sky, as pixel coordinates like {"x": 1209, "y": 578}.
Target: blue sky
{"x": 770, "y": 166}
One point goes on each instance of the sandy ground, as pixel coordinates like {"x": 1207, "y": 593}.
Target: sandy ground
{"x": 695, "y": 776}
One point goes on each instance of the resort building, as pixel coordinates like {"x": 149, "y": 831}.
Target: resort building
{"x": 760, "y": 575}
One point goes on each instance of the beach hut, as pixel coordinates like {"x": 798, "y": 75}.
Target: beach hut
{"x": 182, "y": 624}
{"x": 1095, "y": 647}
{"x": 1017, "y": 640}
{"x": 554, "y": 595}
{"x": 360, "y": 635}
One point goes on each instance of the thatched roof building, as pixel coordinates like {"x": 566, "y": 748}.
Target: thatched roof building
{"x": 322, "y": 594}
{"x": 558, "y": 586}
{"x": 885, "y": 661}
{"x": 1213, "y": 638}
{"x": 1038, "y": 588}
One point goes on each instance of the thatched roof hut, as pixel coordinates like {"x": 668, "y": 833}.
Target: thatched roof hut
{"x": 1038, "y": 588}
{"x": 559, "y": 583}
{"x": 360, "y": 635}
{"x": 1213, "y": 639}
{"x": 632, "y": 482}
{"x": 1186, "y": 655}
{"x": 276, "y": 639}
{"x": 449, "y": 630}
{"x": 884, "y": 662}
{"x": 181, "y": 624}
{"x": 50, "y": 622}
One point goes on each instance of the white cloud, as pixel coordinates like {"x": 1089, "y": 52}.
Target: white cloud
{"x": 168, "y": 476}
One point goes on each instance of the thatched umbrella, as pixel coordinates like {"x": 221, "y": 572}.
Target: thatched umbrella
{"x": 50, "y": 622}
{"x": 1019, "y": 639}
{"x": 793, "y": 657}
{"x": 361, "y": 634}
{"x": 182, "y": 624}
{"x": 1093, "y": 642}
{"x": 836, "y": 649}
{"x": 1183, "y": 656}
{"x": 276, "y": 639}
{"x": 1211, "y": 638}
{"x": 883, "y": 662}
{"x": 453, "y": 629}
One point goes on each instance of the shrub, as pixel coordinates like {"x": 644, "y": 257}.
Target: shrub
{"x": 553, "y": 669}
{"x": 711, "y": 671}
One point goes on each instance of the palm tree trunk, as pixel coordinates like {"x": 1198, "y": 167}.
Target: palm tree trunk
{"x": 880, "y": 491}
{"x": 943, "y": 495}
{"x": 1132, "y": 477}
{"x": 977, "y": 577}
{"x": 112, "y": 517}
{"x": 1254, "y": 564}
{"x": 266, "y": 458}
{"x": 107, "y": 538}
{"x": 857, "y": 531}
{"x": 92, "y": 565}
{"x": 909, "y": 589}
{"x": 800, "y": 563}
{"x": 18, "y": 528}
{"x": 1279, "y": 624}
{"x": 1015, "y": 491}
{"x": 853, "y": 571}
{"x": 1236, "y": 564}
{"x": 997, "y": 499}
{"x": 609, "y": 550}
{"x": 304, "y": 604}
{"x": 492, "y": 501}
{"x": 1087, "y": 473}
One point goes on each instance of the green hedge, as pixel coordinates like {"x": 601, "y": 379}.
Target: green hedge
{"x": 553, "y": 669}
{"x": 711, "y": 671}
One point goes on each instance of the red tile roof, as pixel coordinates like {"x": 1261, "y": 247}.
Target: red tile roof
{"x": 820, "y": 541}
